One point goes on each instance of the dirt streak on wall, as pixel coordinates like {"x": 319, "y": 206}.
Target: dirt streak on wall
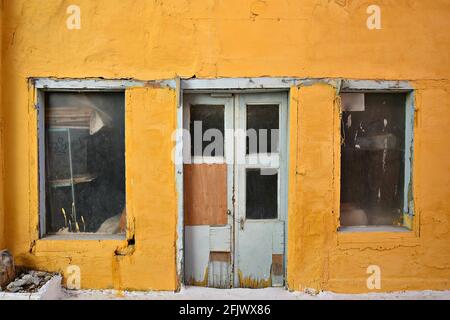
{"x": 236, "y": 38}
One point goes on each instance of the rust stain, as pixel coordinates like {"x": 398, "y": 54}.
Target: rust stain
{"x": 252, "y": 283}
{"x": 277, "y": 264}
{"x": 199, "y": 283}
{"x": 116, "y": 273}
{"x": 220, "y": 256}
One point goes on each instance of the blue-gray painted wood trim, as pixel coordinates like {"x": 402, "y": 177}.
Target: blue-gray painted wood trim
{"x": 41, "y": 167}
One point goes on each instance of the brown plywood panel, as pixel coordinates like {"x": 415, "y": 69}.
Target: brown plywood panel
{"x": 205, "y": 194}
{"x": 220, "y": 256}
{"x": 277, "y": 264}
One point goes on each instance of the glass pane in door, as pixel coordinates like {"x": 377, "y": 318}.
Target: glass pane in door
{"x": 261, "y": 194}
{"x": 262, "y": 128}
{"x": 206, "y": 125}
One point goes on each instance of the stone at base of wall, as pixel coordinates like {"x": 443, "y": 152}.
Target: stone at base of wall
{"x": 7, "y": 268}
{"x": 50, "y": 291}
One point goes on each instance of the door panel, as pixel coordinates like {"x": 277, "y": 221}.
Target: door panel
{"x": 219, "y": 239}
{"x": 219, "y": 275}
{"x": 208, "y": 256}
{"x": 260, "y": 242}
{"x": 196, "y": 255}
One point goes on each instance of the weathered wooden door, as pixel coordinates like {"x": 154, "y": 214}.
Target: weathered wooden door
{"x": 261, "y": 183}
{"x": 234, "y": 189}
{"x": 208, "y": 190}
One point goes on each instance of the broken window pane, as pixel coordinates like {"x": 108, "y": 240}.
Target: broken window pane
{"x": 372, "y": 159}
{"x": 85, "y": 163}
{"x": 207, "y": 130}
{"x": 262, "y": 128}
{"x": 261, "y": 194}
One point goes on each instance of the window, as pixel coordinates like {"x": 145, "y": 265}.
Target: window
{"x": 84, "y": 159}
{"x": 373, "y": 167}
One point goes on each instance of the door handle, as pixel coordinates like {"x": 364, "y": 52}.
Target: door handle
{"x": 241, "y": 222}
{"x": 229, "y": 212}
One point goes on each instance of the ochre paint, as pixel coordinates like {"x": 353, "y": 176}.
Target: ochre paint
{"x": 235, "y": 38}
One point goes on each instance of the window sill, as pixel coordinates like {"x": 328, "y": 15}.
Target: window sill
{"x": 365, "y": 229}
{"x": 75, "y": 244}
{"x": 84, "y": 236}
{"x": 364, "y": 236}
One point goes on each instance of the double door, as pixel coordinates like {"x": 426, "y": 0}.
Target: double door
{"x": 235, "y": 189}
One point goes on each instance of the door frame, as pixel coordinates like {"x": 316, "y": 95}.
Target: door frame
{"x": 281, "y": 94}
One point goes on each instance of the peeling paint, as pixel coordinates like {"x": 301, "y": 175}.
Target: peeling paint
{"x": 199, "y": 283}
{"x": 249, "y": 282}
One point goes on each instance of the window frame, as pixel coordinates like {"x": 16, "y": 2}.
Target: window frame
{"x": 44, "y": 86}
{"x": 368, "y": 86}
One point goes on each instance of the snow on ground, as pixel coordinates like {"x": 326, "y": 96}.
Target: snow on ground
{"x": 198, "y": 293}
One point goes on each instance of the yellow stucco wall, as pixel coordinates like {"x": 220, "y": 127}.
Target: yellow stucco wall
{"x": 234, "y": 38}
